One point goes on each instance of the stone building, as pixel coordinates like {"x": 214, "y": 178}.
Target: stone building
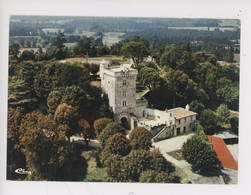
{"x": 119, "y": 83}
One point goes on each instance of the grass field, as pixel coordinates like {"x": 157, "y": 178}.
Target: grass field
{"x": 97, "y": 60}
{"x": 237, "y": 58}
{"x": 94, "y": 173}
{"x": 176, "y": 154}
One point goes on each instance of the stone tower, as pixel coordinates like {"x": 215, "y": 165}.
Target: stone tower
{"x": 119, "y": 83}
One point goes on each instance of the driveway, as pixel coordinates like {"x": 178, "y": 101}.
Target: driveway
{"x": 173, "y": 144}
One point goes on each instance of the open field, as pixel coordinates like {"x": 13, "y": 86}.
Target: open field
{"x": 94, "y": 173}
{"x": 237, "y": 58}
{"x": 176, "y": 154}
{"x": 204, "y": 28}
{"x": 97, "y": 60}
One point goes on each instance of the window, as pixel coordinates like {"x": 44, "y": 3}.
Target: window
{"x": 124, "y": 82}
{"x": 124, "y": 93}
{"x": 185, "y": 120}
{"x": 184, "y": 129}
{"x": 191, "y": 118}
{"x": 124, "y": 103}
{"x": 179, "y": 121}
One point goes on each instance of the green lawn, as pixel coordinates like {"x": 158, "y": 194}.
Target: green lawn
{"x": 97, "y": 60}
{"x": 140, "y": 91}
{"x": 94, "y": 173}
{"x": 177, "y": 154}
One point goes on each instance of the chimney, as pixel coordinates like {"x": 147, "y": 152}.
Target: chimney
{"x": 187, "y": 107}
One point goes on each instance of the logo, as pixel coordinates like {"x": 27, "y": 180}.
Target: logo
{"x": 22, "y": 171}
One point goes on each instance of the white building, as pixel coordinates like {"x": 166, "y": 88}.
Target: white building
{"x": 119, "y": 82}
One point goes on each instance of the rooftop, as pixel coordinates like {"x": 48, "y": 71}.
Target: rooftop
{"x": 122, "y": 68}
{"x": 224, "y": 155}
{"x": 179, "y": 113}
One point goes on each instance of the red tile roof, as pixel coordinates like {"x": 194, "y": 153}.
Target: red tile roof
{"x": 221, "y": 150}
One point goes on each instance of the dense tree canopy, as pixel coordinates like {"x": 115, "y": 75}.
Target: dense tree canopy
{"x": 48, "y": 154}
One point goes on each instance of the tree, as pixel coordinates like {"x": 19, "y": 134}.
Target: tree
{"x": 208, "y": 121}
{"x": 60, "y": 40}
{"x": 27, "y": 55}
{"x": 53, "y": 101}
{"x": 108, "y": 131}
{"x": 83, "y": 47}
{"x": 118, "y": 144}
{"x": 57, "y": 49}
{"x": 74, "y": 96}
{"x": 100, "y": 124}
{"x": 104, "y": 109}
{"x": 201, "y": 156}
{"x": 85, "y": 130}
{"x": 140, "y": 138}
{"x": 67, "y": 115}
{"x": 234, "y": 121}
{"x": 227, "y": 92}
{"x": 223, "y": 114}
{"x": 197, "y": 107}
{"x": 159, "y": 163}
{"x": 54, "y": 75}
{"x": 28, "y": 70}
{"x": 14, "y": 50}
{"x": 183, "y": 88}
{"x": 150, "y": 77}
{"x": 94, "y": 68}
{"x": 148, "y": 176}
{"x": 134, "y": 164}
{"x": 15, "y": 158}
{"x": 136, "y": 50}
{"x": 113, "y": 169}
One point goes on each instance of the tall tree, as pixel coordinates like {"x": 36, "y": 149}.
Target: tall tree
{"x": 136, "y": 50}
{"x": 208, "y": 121}
{"x": 108, "y": 131}
{"x": 14, "y": 50}
{"x": 223, "y": 114}
{"x": 85, "y": 130}
{"x": 100, "y": 124}
{"x": 67, "y": 115}
{"x": 140, "y": 138}
{"x": 201, "y": 156}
